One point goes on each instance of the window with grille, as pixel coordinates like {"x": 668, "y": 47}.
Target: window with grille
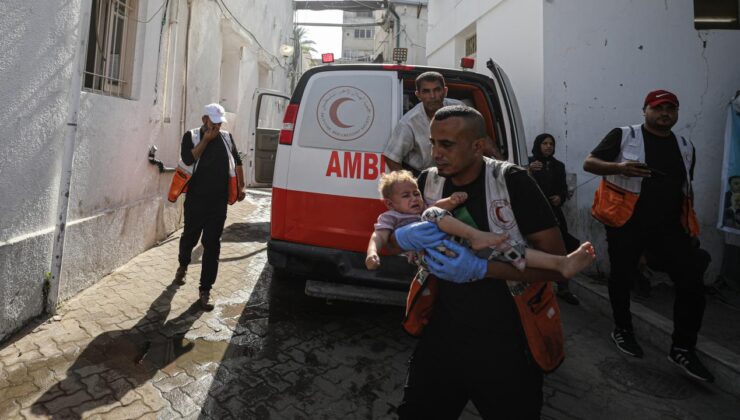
{"x": 365, "y": 33}
{"x": 717, "y": 14}
{"x": 110, "y": 47}
{"x": 471, "y": 45}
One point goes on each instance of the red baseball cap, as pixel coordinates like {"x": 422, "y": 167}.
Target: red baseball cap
{"x": 658, "y": 97}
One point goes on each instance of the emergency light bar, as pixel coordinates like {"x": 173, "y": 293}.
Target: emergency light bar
{"x": 467, "y": 62}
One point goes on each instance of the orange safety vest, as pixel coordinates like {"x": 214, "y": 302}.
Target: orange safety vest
{"x": 616, "y": 197}
{"x": 538, "y": 309}
{"x": 183, "y": 172}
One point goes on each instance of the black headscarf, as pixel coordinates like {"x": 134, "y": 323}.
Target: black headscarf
{"x": 551, "y": 178}
{"x": 537, "y": 147}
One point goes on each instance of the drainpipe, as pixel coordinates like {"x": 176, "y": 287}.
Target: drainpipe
{"x": 73, "y": 99}
{"x": 169, "y": 79}
{"x": 184, "y": 112}
{"x": 398, "y": 25}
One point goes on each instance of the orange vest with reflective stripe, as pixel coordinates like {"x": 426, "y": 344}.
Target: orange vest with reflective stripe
{"x": 616, "y": 197}
{"x": 536, "y": 304}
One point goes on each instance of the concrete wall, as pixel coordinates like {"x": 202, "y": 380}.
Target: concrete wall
{"x": 598, "y": 70}
{"x": 117, "y": 207}
{"x": 509, "y": 32}
{"x": 413, "y": 33}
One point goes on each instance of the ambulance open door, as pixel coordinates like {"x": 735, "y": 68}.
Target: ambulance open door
{"x": 268, "y": 107}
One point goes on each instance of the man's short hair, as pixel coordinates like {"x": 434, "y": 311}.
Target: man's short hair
{"x": 429, "y": 76}
{"x": 475, "y": 125}
{"x": 730, "y": 179}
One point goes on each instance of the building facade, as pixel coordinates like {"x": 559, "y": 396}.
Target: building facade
{"x": 147, "y": 67}
{"x": 580, "y": 69}
{"x": 371, "y": 36}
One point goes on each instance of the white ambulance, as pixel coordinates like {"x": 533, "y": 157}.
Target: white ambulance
{"x": 329, "y": 158}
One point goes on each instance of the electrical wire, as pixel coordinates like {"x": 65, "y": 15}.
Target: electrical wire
{"x": 411, "y": 41}
{"x": 277, "y": 60}
{"x": 155, "y": 13}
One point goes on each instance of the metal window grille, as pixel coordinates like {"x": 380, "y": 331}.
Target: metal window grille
{"x": 110, "y": 47}
{"x": 471, "y": 45}
{"x": 365, "y": 33}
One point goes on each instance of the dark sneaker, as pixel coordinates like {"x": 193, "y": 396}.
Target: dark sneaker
{"x": 569, "y": 297}
{"x": 180, "y": 274}
{"x": 626, "y": 343}
{"x": 688, "y": 361}
{"x": 205, "y": 301}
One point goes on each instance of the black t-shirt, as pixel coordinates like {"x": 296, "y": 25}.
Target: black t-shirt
{"x": 483, "y": 310}
{"x": 211, "y": 177}
{"x": 661, "y": 195}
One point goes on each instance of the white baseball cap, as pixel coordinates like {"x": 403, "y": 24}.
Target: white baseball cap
{"x": 215, "y": 112}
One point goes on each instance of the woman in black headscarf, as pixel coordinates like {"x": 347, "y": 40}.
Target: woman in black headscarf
{"x": 550, "y": 176}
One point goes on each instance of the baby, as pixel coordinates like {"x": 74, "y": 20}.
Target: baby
{"x": 405, "y": 205}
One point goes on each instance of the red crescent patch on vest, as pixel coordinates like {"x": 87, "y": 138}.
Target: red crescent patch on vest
{"x": 502, "y": 214}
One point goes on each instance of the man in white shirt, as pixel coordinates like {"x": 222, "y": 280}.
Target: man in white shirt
{"x": 409, "y": 146}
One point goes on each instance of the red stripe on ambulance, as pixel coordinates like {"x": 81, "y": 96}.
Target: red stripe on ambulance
{"x": 301, "y": 217}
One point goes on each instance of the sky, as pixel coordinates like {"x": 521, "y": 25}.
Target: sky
{"x": 327, "y": 39}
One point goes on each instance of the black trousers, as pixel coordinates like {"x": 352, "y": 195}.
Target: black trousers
{"x": 669, "y": 250}
{"x": 444, "y": 374}
{"x": 206, "y": 216}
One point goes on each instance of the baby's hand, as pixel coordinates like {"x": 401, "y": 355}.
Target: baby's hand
{"x": 372, "y": 262}
{"x": 458, "y": 198}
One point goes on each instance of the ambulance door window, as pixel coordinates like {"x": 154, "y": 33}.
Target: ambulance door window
{"x": 270, "y": 109}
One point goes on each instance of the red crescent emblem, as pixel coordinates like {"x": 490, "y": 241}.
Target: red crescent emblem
{"x": 500, "y": 216}
{"x": 334, "y": 108}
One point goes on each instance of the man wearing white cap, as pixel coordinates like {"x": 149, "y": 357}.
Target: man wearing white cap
{"x": 217, "y": 179}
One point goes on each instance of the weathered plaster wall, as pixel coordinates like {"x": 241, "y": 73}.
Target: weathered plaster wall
{"x": 598, "y": 68}
{"x": 37, "y": 46}
{"x": 509, "y": 32}
{"x": 117, "y": 201}
{"x": 413, "y": 33}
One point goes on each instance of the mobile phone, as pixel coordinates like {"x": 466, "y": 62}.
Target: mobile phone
{"x": 656, "y": 171}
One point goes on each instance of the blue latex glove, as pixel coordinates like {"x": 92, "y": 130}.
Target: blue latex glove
{"x": 463, "y": 268}
{"x": 419, "y": 235}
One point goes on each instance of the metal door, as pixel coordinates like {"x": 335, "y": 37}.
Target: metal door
{"x": 269, "y": 107}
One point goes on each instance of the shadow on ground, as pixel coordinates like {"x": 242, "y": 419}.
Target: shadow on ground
{"x": 121, "y": 361}
{"x": 293, "y": 356}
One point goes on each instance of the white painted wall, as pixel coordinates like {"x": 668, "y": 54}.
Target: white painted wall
{"x": 580, "y": 68}
{"x": 413, "y": 33}
{"x": 509, "y": 32}
{"x": 117, "y": 200}
{"x": 599, "y": 67}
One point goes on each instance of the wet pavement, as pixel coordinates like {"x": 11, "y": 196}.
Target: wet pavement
{"x": 135, "y": 346}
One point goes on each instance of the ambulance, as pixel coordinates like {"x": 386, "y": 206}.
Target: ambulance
{"x": 329, "y": 159}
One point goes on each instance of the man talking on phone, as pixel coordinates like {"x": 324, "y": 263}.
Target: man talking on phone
{"x": 645, "y": 201}
{"x": 217, "y": 179}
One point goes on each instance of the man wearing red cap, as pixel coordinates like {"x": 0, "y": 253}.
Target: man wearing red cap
{"x": 645, "y": 202}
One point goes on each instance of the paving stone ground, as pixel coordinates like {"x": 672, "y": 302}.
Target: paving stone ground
{"x": 135, "y": 346}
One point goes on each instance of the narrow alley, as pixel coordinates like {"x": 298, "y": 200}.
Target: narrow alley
{"x": 136, "y": 346}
